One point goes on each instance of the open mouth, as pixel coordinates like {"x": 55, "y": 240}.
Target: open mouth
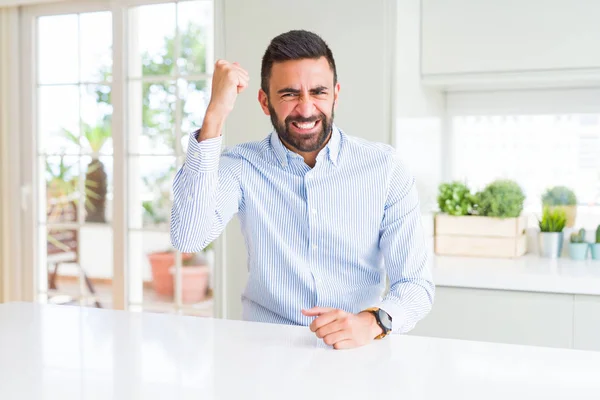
{"x": 306, "y": 127}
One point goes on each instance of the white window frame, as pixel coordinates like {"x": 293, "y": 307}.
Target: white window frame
{"x": 29, "y": 146}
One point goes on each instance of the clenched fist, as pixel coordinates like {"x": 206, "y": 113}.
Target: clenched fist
{"x": 229, "y": 79}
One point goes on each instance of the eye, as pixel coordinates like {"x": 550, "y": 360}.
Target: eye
{"x": 288, "y": 95}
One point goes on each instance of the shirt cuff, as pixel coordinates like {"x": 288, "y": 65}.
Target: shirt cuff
{"x": 395, "y": 311}
{"x": 203, "y": 156}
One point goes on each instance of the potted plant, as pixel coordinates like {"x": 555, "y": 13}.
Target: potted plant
{"x": 486, "y": 224}
{"x": 500, "y": 199}
{"x": 595, "y": 247}
{"x": 561, "y": 197}
{"x": 161, "y": 263}
{"x": 551, "y": 232}
{"x": 578, "y": 247}
{"x": 455, "y": 199}
{"x": 195, "y": 274}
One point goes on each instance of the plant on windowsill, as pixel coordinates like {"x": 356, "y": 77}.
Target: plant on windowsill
{"x": 564, "y": 198}
{"x": 485, "y": 224}
{"x": 578, "y": 247}
{"x": 595, "y": 247}
{"x": 551, "y": 232}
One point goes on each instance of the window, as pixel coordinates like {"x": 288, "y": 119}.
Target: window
{"x": 538, "y": 148}
{"x": 166, "y": 69}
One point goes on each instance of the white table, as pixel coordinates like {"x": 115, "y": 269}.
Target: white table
{"x": 66, "y": 352}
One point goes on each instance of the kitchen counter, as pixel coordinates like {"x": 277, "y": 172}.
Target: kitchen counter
{"x": 67, "y": 352}
{"x": 528, "y": 273}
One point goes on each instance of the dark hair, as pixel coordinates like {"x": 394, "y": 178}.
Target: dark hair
{"x": 294, "y": 45}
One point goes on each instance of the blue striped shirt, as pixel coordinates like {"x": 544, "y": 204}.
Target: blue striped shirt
{"x": 324, "y": 236}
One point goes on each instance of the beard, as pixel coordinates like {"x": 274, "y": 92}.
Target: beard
{"x": 304, "y": 143}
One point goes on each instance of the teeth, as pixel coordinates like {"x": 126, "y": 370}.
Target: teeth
{"x": 306, "y": 125}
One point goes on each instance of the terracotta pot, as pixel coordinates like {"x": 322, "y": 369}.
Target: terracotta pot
{"x": 161, "y": 263}
{"x": 194, "y": 283}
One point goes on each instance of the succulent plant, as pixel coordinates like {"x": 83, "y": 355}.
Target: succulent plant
{"x": 598, "y": 234}
{"x": 502, "y": 198}
{"x": 455, "y": 198}
{"x": 553, "y": 220}
{"x": 578, "y": 237}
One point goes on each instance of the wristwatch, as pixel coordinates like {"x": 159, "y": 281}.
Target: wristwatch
{"x": 384, "y": 320}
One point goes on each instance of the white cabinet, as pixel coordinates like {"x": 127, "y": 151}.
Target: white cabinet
{"x": 540, "y": 319}
{"x": 504, "y": 37}
{"x": 587, "y": 322}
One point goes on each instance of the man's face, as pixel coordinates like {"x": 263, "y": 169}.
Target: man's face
{"x": 301, "y": 103}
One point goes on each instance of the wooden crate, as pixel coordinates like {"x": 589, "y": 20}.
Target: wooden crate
{"x": 473, "y": 236}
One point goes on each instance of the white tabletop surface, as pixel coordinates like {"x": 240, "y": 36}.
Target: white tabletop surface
{"x": 67, "y": 352}
{"x": 527, "y": 273}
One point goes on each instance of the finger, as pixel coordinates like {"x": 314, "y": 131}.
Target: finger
{"x": 325, "y": 319}
{"x": 242, "y": 72}
{"x": 335, "y": 326}
{"x": 336, "y": 337}
{"x": 312, "y": 312}
{"x": 242, "y": 85}
{"x": 345, "y": 344}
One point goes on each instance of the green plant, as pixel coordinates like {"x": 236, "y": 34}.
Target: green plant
{"x": 559, "y": 196}
{"x": 501, "y": 199}
{"x": 455, "y": 198}
{"x": 578, "y": 237}
{"x": 553, "y": 220}
{"x": 93, "y": 139}
{"x": 598, "y": 234}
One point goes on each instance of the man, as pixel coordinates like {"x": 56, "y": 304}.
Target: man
{"x": 324, "y": 215}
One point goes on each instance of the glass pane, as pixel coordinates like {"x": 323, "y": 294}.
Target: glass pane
{"x": 62, "y": 189}
{"x": 96, "y": 113}
{"x": 152, "y": 40}
{"x": 152, "y": 272}
{"x": 98, "y": 188}
{"x": 195, "y": 96}
{"x": 96, "y": 46}
{"x": 58, "y": 49}
{"x": 62, "y": 251}
{"x": 79, "y": 270}
{"x": 195, "y": 22}
{"x": 152, "y": 119}
{"x": 150, "y": 187}
{"x": 58, "y": 123}
{"x": 151, "y": 257}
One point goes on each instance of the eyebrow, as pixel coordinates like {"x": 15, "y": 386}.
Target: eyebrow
{"x": 292, "y": 90}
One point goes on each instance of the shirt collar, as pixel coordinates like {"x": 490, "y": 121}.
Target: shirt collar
{"x": 332, "y": 147}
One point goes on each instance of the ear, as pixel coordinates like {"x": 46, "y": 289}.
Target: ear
{"x": 336, "y": 92}
{"x": 264, "y": 101}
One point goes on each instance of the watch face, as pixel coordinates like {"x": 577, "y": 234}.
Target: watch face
{"x": 385, "y": 319}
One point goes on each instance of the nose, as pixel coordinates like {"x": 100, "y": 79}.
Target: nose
{"x": 305, "y": 106}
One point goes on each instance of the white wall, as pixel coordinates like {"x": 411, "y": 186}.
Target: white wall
{"x": 359, "y": 36}
{"x": 419, "y": 112}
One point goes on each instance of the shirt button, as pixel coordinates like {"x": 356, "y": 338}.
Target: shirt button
{"x": 314, "y": 211}
{"x": 196, "y": 154}
{"x": 314, "y": 246}
{"x": 190, "y": 198}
